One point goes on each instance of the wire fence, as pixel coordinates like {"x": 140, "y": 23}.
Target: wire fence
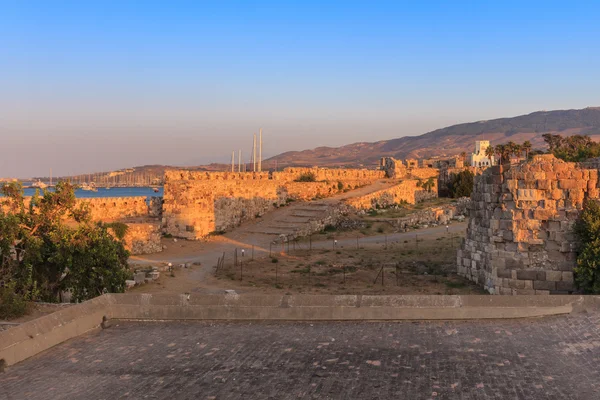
{"x": 240, "y": 264}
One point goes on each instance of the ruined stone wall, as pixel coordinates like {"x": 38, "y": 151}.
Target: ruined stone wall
{"x": 143, "y": 238}
{"x": 326, "y": 174}
{"x": 519, "y": 239}
{"x": 423, "y": 173}
{"x": 199, "y": 203}
{"x": 407, "y": 190}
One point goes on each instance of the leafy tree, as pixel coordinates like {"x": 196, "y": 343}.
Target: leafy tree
{"x": 461, "y": 184}
{"x": 49, "y": 245}
{"x": 572, "y": 148}
{"x": 489, "y": 152}
{"x": 587, "y": 230}
{"x": 428, "y": 184}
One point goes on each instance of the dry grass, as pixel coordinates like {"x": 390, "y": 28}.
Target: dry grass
{"x": 426, "y": 267}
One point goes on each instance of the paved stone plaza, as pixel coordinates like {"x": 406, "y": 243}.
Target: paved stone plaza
{"x": 549, "y": 358}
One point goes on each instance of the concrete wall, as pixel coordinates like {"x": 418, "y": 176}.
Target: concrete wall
{"x": 519, "y": 239}
{"x": 30, "y": 338}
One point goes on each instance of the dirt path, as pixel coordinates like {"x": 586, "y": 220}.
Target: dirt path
{"x": 257, "y": 235}
{"x": 201, "y": 278}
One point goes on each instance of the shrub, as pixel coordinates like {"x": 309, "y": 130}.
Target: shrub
{"x": 461, "y": 184}
{"x": 587, "y": 230}
{"x": 274, "y": 260}
{"x": 12, "y": 305}
{"x": 329, "y": 228}
{"x": 340, "y": 186}
{"x": 86, "y": 258}
{"x": 307, "y": 177}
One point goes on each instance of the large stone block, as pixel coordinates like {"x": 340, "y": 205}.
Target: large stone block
{"x": 544, "y": 285}
{"x": 554, "y": 275}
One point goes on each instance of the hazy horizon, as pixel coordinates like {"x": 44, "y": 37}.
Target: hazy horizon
{"x": 88, "y": 87}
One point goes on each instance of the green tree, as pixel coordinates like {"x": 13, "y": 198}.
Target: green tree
{"x": 428, "y": 184}
{"x": 489, "y": 152}
{"x": 587, "y": 230}
{"x": 461, "y": 184}
{"x": 572, "y": 148}
{"x": 48, "y": 244}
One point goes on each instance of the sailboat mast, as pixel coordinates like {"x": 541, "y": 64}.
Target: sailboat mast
{"x": 254, "y": 154}
{"x": 260, "y": 150}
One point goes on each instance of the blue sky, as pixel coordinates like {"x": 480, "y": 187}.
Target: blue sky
{"x": 90, "y": 85}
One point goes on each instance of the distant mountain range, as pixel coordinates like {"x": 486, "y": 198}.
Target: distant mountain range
{"x": 443, "y": 142}
{"x": 451, "y": 140}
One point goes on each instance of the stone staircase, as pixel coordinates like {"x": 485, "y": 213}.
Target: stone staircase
{"x": 295, "y": 219}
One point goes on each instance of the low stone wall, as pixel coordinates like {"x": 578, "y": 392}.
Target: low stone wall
{"x": 143, "y": 238}
{"x": 519, "y": 239}
{"x": 314, "y": 190}
{"x": 32, "y": 337}
{"x": 327, "y": 174}
{"x": 435, "y": 215}
{"x": 407, "y": 190}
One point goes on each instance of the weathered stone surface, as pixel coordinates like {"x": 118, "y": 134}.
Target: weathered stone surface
{"x": 530, "y": 222}
{"x": 199, "y": 203}
{"x": 545, "y": 358}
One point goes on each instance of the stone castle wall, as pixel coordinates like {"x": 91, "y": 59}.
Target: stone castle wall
{"x": 199, "y": 203}
{"x": 519, "y": 239}
{"x": 109, "y": 209}
{"x": 407, "y": 190}
{"x": 327, "y": 174}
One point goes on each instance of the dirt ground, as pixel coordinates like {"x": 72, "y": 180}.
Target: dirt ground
{"x": 408, "y": 266}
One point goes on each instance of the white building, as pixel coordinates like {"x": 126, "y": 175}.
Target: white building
{"x": 478, "y": 158}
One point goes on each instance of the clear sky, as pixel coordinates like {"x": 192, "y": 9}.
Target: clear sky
{"x": 92, "y": 85}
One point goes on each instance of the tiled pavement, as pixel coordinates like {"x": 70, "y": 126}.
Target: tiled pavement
{"x": 549, "y": 358}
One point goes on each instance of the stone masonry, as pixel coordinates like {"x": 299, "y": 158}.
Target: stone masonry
{"x": 408, "y": 190}
{"x": 199, "y": 203}
{"x": 519, "y": 239}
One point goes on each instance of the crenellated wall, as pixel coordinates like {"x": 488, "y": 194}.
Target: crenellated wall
{"x": 109, "y": 209}
{"x": 519, "y": 239}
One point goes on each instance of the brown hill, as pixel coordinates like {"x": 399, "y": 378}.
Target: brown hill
{"x": 451, "y": 140}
